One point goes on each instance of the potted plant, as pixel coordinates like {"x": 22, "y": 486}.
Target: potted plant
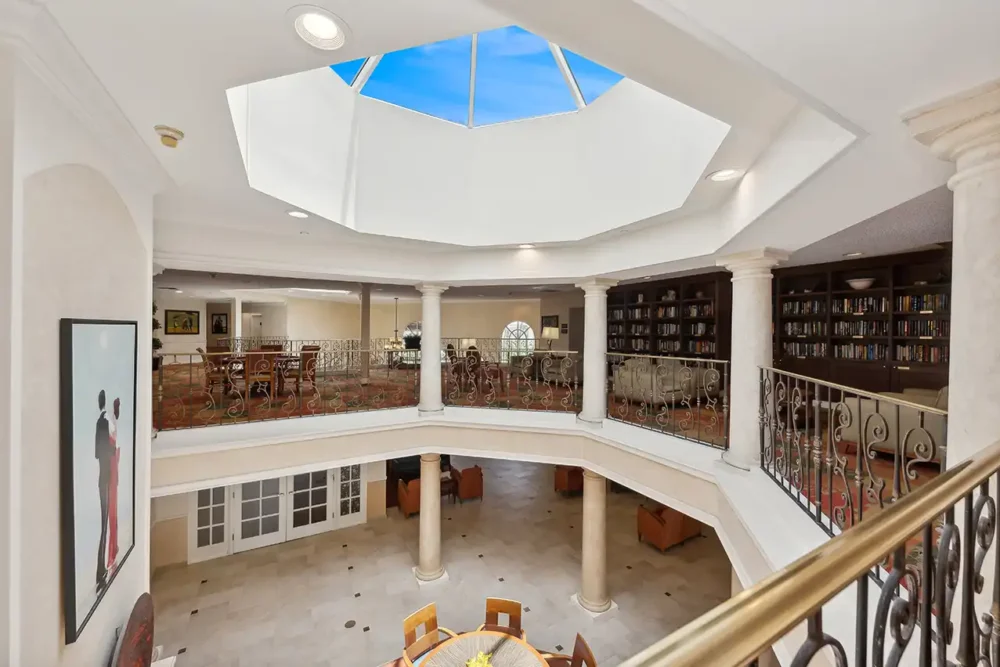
{"x": 157, "y": 343}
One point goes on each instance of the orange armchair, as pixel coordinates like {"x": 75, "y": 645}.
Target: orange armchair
{"x": 408, "y": 497}
{"x": 665, "y": 527}
{"x": 469, "y": 481}
{"x": 569, "y": 479}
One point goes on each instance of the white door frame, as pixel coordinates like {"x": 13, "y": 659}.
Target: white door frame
{"x": 318, "y": 497}
{"x": 264, "y": 508}
{"x": 359, "y": 484}
{"x": 215, "y": 548}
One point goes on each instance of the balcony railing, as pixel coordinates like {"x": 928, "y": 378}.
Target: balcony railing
{"x": 843, "y": 453}
{"x": 216, "y": 388}
{"x": 685, "y": 397}
{"x": 509, "y": 374}
{"x": 938, "y": 544}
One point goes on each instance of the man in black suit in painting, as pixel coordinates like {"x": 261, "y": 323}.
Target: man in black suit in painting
{"x": 103, "y": 453}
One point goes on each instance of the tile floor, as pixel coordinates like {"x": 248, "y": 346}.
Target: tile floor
{"x": 340, "y": 598}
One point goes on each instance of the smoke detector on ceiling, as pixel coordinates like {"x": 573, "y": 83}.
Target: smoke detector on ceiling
{"x": 169, "y": 136}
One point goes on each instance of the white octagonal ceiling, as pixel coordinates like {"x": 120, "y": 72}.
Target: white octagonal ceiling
{"x": 497, "y": 138}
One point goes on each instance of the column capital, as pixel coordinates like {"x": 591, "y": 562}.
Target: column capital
{"x": 431, "y": 289}
{"x": 430, "y": 458}
{"x": 596, "y": 285}
{"x": 591, "y": 474}
{"x": 752, "y": 263}
{"x": 963, "y": 128}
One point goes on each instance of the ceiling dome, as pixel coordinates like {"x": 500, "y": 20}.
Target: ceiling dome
{"x": 497, "y": 76}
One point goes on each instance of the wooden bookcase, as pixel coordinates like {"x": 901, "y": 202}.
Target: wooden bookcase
{"x": 680, "y": 317}
{"x": 892, "y": 335}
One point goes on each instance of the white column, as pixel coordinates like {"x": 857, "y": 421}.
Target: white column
{"x": 430, "y": 349}
{"x": 429, "y": 565}
{"x": 11, "y": 344}
{"x": 965, "y": 129}
{"x": 595, "y": 348}
{"x": 751, "y": 350}
{"x": 594, "y": 581}
{"x": 366, "y": 330}
{"x": 237, "y": 328}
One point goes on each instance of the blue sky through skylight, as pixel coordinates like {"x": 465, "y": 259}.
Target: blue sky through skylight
{"x": 517, "y": 77}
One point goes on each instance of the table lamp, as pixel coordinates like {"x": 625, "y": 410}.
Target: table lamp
{"x": 550, "y": 334}
{"x": 466, "y": 343}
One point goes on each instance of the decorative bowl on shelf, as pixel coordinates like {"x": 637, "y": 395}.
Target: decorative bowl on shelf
{"x": 861, "y": 283}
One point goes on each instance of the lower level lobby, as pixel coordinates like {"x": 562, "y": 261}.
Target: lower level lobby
{"x": 340, "y": 597}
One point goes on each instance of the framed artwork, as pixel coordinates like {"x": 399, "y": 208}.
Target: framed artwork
{"x": 220, "y": 324}
{"x": 550, "y": 321}
{"x": 182, "y": 322}
{"x": 97, "y": 412}
{"x": 564, "y": 328}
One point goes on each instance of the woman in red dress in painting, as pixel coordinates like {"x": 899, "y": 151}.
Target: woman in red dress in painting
{"x": 113, "y": 491}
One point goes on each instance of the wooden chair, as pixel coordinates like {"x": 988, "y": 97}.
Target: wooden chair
{"x": 415, "y": 646}
{"x": 214, "y": 370}
{"x": 273, "y": 347}
{"x": 512, "y": 608}
{"x": 582, "y": 655}
{"x": 306, "y": 370}
{"x": 258, "y": 367}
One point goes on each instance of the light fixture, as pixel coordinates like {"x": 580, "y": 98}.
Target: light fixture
{"x": 853, "y": 254}
{"x": 526, "y": 246}
{"x": 301, "y": 215}
{"x": 321, "y": 291}
{"x": 550, "y": 334}
{"x": 318, "y": 28}
{"x": 179, "y": 291}
{"x": 169, "y": 136}
{"x": 646, "y": 277}
{"x": 724, "y": 175}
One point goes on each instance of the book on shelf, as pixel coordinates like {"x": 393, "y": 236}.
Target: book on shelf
{"x": 813, "y": 307}
{"x": 638, "y": 313}
{"x": 925, "y": 354}
{"x": 701, "y": 329}
{"x": 701, "y": 346}
{"x": 922, "y": 303}
{"x": 861, "y": 351}
{"x": 668, "y": 346}
{"x": 861, "y": 328}
{"x": 795, "y": 349}
{"x": 638, "y": 329}
{"x": 616, "y": 313}
{"x": 859, "y": 305}
{"x": 666, "y": 312}
{"x": 804, "y": 328}
{"x": 699, "y": 310}
{"x": 918, "y": 327}
{"x": 668, "y": 329}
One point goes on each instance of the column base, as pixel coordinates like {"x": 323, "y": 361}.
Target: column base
{"x": 425, "y": 579}
{"x": 594, "y": 611}
{"x": 430, "y": 412}
{"x": 589, "y": 422}
{"x": 739, "y": 464}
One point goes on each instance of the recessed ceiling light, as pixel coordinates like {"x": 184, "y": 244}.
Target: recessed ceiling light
{"x": 298, "y": 214}
{"x": 318, "y": 28}
{"x": 853, "y": 254}
{"x": 646, "y": 277}
{"x": 179, "y": 291}
{"x": 526, "y": 246}
{"x": 725, "y": 175}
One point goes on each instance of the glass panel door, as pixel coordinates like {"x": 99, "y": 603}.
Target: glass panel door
{"x": 351, "y": 496}
{"x": 207, "y": 536}
{"x": 258, "y": 509}
{"x": 309, "y": 511}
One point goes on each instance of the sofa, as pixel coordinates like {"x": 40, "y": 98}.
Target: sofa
{"x": 569, "y": 479}
{"x": 665, "y": 527}
{"x": 408, "y": 497}
{"x": 663, "y": 380}
{"x": 469, "y": 483}
{"x": 899, "y": 420}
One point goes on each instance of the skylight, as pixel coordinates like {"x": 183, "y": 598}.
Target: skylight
{"x": 508, "y": 74}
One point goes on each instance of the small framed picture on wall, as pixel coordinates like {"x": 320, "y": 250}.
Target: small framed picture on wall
{"x": 182, "y": 322}
{"x": 550, "y": 321}
{"x": 220, "y": 324}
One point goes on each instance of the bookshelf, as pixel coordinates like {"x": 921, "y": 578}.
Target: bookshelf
{"x": 889, "y": 336}
{"x": 680, "y": 317}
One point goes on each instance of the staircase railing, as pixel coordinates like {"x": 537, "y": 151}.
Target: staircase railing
{"x": 936, "y": 544}
{"x": 843, "y": 453}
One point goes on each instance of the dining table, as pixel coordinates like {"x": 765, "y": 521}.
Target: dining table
{"x": 505, "y": 650}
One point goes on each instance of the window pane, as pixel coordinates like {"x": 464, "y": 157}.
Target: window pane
{"x": 355, "y": 505}
{"x": 218, "y": 495}
{"x": 270, "y": 506}
{"x": 250, "y": 529}
{"x": 345, "y": 507}
{"x": 218, "y": 514}
{"x": 203, "y": 537}
{"x": 593, "y": 80}
{"x": 345, "y": 489}
{"x": 271, "y": 487}
{"x": 300, "y": 518}
{"x": 517, "y": 77}
{"x": 251, "y": 510}
{"x": 432, "y": 79}
{"x": 319, "y": 514}
{"x": 269, "y": 524}
{"x": 251, "y": 490}
{"x": 203, "y": 498}
{"x": 319, "y": 478}
{"x": 355, "y": 471}
{"x": 300, "y": 482}
{"x": 319, "y": 497}
{"x": 218, "y": 534}
{"x": 355, "y": 488}
{"x": 347, "y": 71}
{"x": 300, "y": 500}
{"x": 204, "y": 518}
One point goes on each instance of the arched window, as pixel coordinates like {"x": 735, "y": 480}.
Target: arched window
{"x": 411, "y": 336}
{"x": 517, "y": 339}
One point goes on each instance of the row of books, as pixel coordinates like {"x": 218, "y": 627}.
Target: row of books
{"x": 860, "y": 351}
{"x": 668, "y": 346}
{"x": 703, "y": 310}
{"x": 616, "y": 313}
{"x": 926, "y": 354}
{"x": 936, "y": 328}
{"x": 638, "y": 329}
{"x": 804, "y": 349}
{"x": 860, "y": 328}
{"x": 628, "y": 344}
{"x": 860, "y": 304}
{"x": 815, "y": 307}
{"x": 668, "y": 329}
{"x": 804, "y": 328}
{"x": 701, "y": 346}
{"x": 665, "y": 312}
{"x": 616, "y": 329}
{"x": 916, "y": 303}
{"x": 701, "y": 329}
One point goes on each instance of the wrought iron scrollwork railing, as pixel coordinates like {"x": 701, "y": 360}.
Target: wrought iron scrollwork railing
{"x": 843, "y": 453}
{"x": 938, "y": 605}
{"x": 685, "y": 397}
{"x": 295, "y": 345}
{"x": 212, "y": 389}
{"x": 509, "y": 374}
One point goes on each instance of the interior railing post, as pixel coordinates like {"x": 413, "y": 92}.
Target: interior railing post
{"x": 817, "y": 454}
{"x": 967, "y": 628}
{"x": 190, "y": 389}
{"x": 760, "y": 416}
{"x": 159, "y": 395}
{"x": 699, "y": 372}
{"x": 725, "y": 405}
{"x": 861, "y": 624}
{"x": 926, "y": 600}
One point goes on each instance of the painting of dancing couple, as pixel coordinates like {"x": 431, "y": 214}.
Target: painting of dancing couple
{"x": 97, "y": 426}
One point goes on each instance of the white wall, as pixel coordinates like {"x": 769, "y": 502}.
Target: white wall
{"x": 273, "y": 320}
{"x": 87, "y": 253}
{"x": 560, "y": 304}
{"x": 310, "y": 319}
{"x": 180, "y": 342}
{"x": 485, "y": 318}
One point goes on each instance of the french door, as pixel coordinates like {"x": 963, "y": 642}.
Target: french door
{"x": 258, "y": 516}
{"x": 310, "y": 510}
{"x": 207, "y": 533}
{"x": 351, "y": 495}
